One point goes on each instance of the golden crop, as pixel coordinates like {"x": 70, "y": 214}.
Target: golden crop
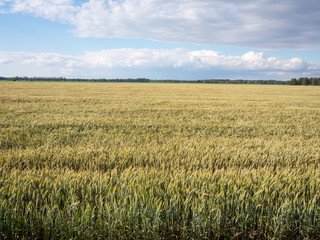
{"x": 159, "y": 161}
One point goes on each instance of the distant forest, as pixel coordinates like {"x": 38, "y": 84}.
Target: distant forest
{"x": 293, "y": 81}
{"x": 305, "y": 81}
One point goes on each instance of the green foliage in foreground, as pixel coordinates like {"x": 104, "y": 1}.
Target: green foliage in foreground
{"x": 159, "y": 161}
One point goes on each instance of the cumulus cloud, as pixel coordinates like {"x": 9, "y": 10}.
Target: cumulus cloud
{"x": 178, "y": 58}
{"x": 55, "y": 10}
{"x": 160, "y": 60}
{"x": 260, "y": 24}
{"x": 175, "y": 58}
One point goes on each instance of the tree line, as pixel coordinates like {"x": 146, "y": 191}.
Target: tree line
{"x": 305, "y": 81}
{"x": 62, "y": 79}
{"x": 217, "y": 81}
{"x": 293, "y": 81}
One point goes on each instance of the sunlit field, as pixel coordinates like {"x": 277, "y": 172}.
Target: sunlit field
{"x": 159, "y": 161}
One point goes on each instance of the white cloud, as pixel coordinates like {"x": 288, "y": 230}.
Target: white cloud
{"x": 5, "y": 60}
{"x": 55, "y": 10}
{"x": 260, "y": 24}
{"x": 175, "y": 58}
{"x": 170, "y": 63}
{"x": 253, "y": 60}
{"x": 184, "y": 58}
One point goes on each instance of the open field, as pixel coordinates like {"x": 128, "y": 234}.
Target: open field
{"x": 159, "y": 161}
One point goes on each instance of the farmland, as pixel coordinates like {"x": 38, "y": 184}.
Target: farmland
{"x": 159, "y": 161}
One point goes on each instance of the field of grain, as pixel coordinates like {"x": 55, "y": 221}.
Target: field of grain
{"x": 159, "y": 161}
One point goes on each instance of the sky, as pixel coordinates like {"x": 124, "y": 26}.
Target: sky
{"x": 160, "y": 39}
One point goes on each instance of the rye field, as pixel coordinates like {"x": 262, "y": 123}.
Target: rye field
{"x": 159, "y": 161}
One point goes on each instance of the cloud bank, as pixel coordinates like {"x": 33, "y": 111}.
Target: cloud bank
{"x": 106, "y": 62}
{"x": 259, "y": 24}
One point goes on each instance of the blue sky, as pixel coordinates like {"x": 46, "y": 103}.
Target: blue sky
{"x": 160, "y": 39}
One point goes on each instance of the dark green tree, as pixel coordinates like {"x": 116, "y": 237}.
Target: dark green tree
{"x": 293, "y": 81}
{"x": 304, "y": 81}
